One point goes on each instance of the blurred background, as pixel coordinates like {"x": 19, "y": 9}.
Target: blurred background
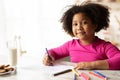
{"x": 32, "y": 25}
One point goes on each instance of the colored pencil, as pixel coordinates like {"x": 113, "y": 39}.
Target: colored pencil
{"x": 84, "y": 76}
{"x": 94, "y": 74}
{"x": 48, "y": 54}
{"x": 75, "y": 77}
{"x": 99, "y": 73}
{"x": 62, "y": 72}
{"x": 74, "y": 71}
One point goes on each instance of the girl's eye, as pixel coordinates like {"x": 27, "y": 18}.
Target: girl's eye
{"x": 83, "y": 22}
{"x": 74, "y": 24}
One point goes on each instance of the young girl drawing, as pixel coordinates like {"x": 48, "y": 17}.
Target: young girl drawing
{"x": 88, "y": 51}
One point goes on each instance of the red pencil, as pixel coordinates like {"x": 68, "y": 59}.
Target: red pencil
{"x": 84, "y": 76}
{"x": 96, "y": 75}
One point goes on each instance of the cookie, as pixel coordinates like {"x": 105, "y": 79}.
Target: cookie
{"x": 2, "y": 70}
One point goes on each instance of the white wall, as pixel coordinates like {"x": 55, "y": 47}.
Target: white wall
{"x": 36, "y": 22}
{"x": 2, "y": 29}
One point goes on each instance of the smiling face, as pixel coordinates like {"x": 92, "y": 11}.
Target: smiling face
{"x": 83, "y": 28}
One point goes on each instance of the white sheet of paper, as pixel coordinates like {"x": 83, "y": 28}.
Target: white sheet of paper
{"x": 58, "y": 67}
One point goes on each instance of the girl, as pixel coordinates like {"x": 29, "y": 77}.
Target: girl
{"x": 87, "y": 51}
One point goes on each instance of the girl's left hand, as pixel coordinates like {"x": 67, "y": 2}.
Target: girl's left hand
{"x": 84, "y": 65}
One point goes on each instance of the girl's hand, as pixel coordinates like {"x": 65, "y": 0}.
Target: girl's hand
{"x": 84, "y": 65}
{"x": 48, "y": 60}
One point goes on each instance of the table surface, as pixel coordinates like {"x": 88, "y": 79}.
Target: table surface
{"x": 28, "y": 71}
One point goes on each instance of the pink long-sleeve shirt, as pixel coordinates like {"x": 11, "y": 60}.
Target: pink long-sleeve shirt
{"x": 98, "y": 50}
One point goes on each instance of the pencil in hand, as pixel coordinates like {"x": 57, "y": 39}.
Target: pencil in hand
{"x": 48, "y": 54}
{"x": 49, "y": 58}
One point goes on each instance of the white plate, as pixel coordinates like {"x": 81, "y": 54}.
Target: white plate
{"x": 9, "y": 72}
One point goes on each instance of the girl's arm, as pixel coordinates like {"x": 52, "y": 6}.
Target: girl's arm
{"x": 55, "y": 54}
{"x": 60, "y": 52}
{"x": 100, "y": 64}
{"x": 113, "y": 54}
{"x": 112, "y": 62}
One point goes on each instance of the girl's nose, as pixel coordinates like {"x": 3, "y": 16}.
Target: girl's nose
{"x": 79, "y": 26}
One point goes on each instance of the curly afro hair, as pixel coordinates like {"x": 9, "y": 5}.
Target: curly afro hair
{"x": 98, "y": 13}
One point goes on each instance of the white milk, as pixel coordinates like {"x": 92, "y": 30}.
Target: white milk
{"x": 13, "y": 56}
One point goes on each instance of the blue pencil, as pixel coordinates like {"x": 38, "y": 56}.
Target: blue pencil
{"x": 75, "y": 77}
{"x": 47, "y": 51}
{"x": 100, "y": 74}
{"x": 48, "y": 54}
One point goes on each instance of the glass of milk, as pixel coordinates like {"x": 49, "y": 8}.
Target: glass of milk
{"x": 12, "y": 53}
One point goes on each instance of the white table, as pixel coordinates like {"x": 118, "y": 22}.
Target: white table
{"x": 37, "y": 72}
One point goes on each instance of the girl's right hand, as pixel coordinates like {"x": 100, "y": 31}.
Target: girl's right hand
{"x": 48, "y": 60}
